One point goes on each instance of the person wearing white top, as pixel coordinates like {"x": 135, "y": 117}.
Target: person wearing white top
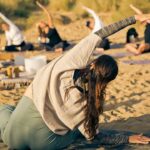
{"x": 96, "y": 24}
{"x": 14, "y": 37}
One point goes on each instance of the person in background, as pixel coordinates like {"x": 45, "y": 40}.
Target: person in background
{"x": 66, "y": 99}
{"x": 49, "y": 38}
{"x": 14, "y": 38}
{"x": 96, "y": 24}
{"x": 132, "y": 36}
{"x": 136, "y": 48}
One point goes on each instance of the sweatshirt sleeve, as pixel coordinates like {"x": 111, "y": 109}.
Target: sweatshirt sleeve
{"x": 9, "y": 22}
{"x": 105, "y": 138}
{"x": 115, "y": 27}
{"x": 111, "y": 139}
{"x": 79, "y": 56}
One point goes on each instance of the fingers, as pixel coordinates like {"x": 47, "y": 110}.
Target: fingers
{"x": 139, "y": 139}
{"x": 144, "y": 138}
{"x": 144, "y": 18}
{"x": 142, "y": 142}
{"x": 148, "y": 21}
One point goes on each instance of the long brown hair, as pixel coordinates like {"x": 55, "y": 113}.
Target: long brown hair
{"x": 105, "y": 69}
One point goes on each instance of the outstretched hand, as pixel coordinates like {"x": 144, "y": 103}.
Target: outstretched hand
{"x": 143, "y": 18}
{"x": 139, "y": 139}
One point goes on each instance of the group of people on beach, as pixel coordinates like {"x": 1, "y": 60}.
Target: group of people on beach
{"x": 67, "y": 96}
{"x": 49, "y": 38}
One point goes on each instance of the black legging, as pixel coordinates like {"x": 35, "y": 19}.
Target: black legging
{"x": 23, "y": 46}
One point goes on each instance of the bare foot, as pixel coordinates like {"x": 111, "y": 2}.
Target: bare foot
{"x": 59, "y": 50}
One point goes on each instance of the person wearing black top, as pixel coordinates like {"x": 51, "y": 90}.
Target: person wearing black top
{"x": 49, "y": 38}
{"x": 132, "y": 36}
{"x": 137, "y": 48}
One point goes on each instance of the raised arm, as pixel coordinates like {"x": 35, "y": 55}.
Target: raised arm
{"x": 136, "y": 10}
{"x": 50, "y": 21}
{"x": 113, "y": 28}
{"x": 98, "y": 22}
{"x": 9, "y": 22}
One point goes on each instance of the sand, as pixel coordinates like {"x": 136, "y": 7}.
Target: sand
{"x": 127, "y": 106}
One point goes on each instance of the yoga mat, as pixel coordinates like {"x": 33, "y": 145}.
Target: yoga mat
{"x": 116, "y": 55}
{"x": 121, "y": 54}
{"x": 136, "y": 62}
{"x": 82, "y": 144}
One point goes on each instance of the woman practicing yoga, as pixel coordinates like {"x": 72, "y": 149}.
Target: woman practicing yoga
{"x": 49, "y": 38}
{"x": 66, "y": 98}
{"x": 137, "y": 48}
{"x": 14, "y": 38}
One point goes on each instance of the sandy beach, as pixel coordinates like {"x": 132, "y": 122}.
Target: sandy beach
{"x": 127, "y": 106}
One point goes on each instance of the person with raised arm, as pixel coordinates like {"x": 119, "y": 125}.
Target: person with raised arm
{"x": 96, "y": 24}
{"x": 66, "y": 98}
{"x": 49, "y": 37}
{"x": 14, "y": 38}
{"x": 135, "y": 47}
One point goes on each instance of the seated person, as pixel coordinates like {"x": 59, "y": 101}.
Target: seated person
{"x": 95, "y": 25}
{"x": 132, "y": 36}
{"x": 14, "y": 38}
{"x": 143, "y": 47}
{"x": 49, "y": 38}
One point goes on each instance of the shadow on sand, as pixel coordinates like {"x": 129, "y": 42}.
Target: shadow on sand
{"x": 107, "y": 128}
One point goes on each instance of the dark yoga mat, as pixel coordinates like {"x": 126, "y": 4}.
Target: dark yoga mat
{"x": 136, "y": 62}
{"x": 82, "y": 144}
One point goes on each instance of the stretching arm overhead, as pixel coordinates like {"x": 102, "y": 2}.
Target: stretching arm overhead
{"x": 9, "y": 22}
{"x": 50, "y": 20}
{"x": 98, "y": 24}
{"x": 136, "y": 10}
